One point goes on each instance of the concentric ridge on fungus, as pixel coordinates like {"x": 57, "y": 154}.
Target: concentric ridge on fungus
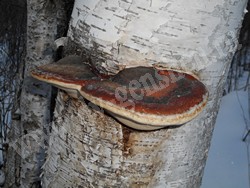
{"x": 143, "y": 98}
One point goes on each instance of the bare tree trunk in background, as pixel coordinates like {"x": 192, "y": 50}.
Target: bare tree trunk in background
{"x": 88, "y": 148}
{"x": 13, "y": 33}
{"x": 35, "y": 98}
{"x": 47, "y": 21}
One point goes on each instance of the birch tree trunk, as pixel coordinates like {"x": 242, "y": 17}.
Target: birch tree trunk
{"x": 88, "y": 148}
{"x": 47, "y": 20}
{"x": 35, "y": 98}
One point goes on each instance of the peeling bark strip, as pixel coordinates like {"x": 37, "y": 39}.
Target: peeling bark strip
{"x": 89, "y": 149}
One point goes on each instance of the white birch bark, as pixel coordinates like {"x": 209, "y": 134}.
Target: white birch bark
{"x": 43, "y": 26}
{"x": 35, "y": 99}
{"x": 89, "y": 148}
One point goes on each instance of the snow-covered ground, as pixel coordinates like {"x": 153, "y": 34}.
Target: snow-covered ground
{"x": 227, "y": 164}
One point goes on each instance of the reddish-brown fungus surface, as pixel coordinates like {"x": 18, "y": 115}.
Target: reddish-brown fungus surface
{"x": 147, "y": 95}
{"x": 69, "y": 70}
{"x": 141, "y": 97}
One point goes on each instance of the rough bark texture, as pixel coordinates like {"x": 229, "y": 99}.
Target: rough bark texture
{"x": 35, "y": 99}
{"x": 88, "y": 148}
{"x": 13, "y": 158}
{"x": 47, "y": 20}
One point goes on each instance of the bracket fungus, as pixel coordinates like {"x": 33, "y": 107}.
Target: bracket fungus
{"x": 69, "y": 74}
{"x": 142, "y": 98}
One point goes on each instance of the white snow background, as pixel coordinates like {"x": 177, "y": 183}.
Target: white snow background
{"x": 227, "y": 163}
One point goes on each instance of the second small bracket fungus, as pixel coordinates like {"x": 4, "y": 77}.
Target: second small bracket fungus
{"x": 69, "y": 74}
{"x": 142, "y": 98}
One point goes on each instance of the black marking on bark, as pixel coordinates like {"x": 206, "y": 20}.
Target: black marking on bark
{"x": 141, "y": 43}
{"x": 126, "y": 1}
{"x": 122, "y": 17}
{"x": 132, "y": 12}
{"x": 140, "y": 38}
{"x": 84, "y": 26}
{"x": 110, "y": 9}
{"x": 131, "y": 48}
{"x": 86, "y": 7}
{"x": 144, "y": 9}
{"x": 96, "y": 27}
{"x": 175, "y": 28}
{"x": 166, "y": 34}
{"x": 97, "y": 16}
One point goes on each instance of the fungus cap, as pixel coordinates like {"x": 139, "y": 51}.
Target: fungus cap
{"x": 69, "y": 74}
{"x": 146, "y": 99}
{"x": 142, "y": 98}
